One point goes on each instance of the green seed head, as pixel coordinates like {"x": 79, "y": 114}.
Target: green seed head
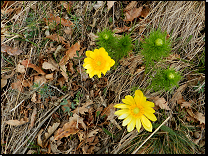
{"x": 159, "y": 42}
{"x": 171, "y": 76}
{"x": 105, "y": 36}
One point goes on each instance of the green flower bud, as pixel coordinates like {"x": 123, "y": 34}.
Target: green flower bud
{"x": 159, "y": 42}
{"x": 171, "y": 76}
{"x": 105, "y": 36}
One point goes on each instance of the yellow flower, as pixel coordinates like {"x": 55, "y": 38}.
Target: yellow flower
{"x": 136, "y": 111}
{"x": 97, "y": 62}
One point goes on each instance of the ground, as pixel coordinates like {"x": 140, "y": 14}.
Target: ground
{"x": 49, "y": 103}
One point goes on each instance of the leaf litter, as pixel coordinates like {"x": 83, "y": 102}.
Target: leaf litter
{"x": 61, "y": 66}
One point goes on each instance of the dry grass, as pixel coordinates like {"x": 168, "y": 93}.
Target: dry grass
{"x": 181, "y": 19}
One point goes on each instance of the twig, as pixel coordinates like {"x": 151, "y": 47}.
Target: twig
{"x": 150, "y": 136}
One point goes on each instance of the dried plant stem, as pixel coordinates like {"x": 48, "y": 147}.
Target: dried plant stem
{"x": 150, "y": 136}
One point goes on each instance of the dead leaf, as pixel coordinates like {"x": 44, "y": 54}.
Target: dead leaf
{"x": 145, "y": 11}
{"x": 186, "y": 104}
{"x": 57, "y": 20}
{"x": 161, "y": 102}
{"x": 20, "y": 68}
{"x": 200, "y": 117}
{"x": 16, "y": 122}
{"x": 92, "y": 133}
{"x": 63, "y": 72}
{"x": 51, "y": 130}
{"x": 33, "y": 99}
{"x": 61, "y": 81}
{"x": 110, "y": 4}
{"x": 57, "y": 38}
{"x": 39, "y": 140}
{"x": 3, "y": 82}
{"x": 133, "y": 13}
{"x": 122, "y": 29}
{"x": 70, "y": 67}
{"x": 131, "y": 5}
{"x": 81, "y": 135}
{"x": 10, "y": 50}
{"x": 7, "y": 4}
{"x": 83, "y": 109}
{"x": 17, "y": 85}
{"x": 67, "y": 5}
{"x": 70, "y": 53}
{"x": 68, "y": 128}
{"x": 39, "y": 79}
{"x": 27, "y": 63}
{"x": 98, "y": 5}
{"x": 92, "y": 36}
{"x": 47, "y": 65}
{"x": 34, "y": 113}
{"x": 49, "y": 76}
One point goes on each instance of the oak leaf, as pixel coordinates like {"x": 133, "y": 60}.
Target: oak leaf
{"x": 34, "y": 113}
{"x": 63, "y": 72}
{"x": 83, "y": 109}
{"x": 70, "y": 53}
{"x": 57, "y": 20}
{"x": 17, "y": 122}
{"x": 133, "y": 13}
{"x": 27, "y": 63}
{"x": 161, "y": 102}
{"x": 131, "y": 5}
{"x": 200, "y": 117}
{"x": 17, "y": 85}
{"x": 3, "y": 82}
{"x": 20, "y": 68}
{"x": 51, "y": 130}
{"x": 122, "y": 29}
{"x": 10, "y": 50}
{"x": 92, "y": 133}
{"x": 57, "y": 38}
{"x": 47, "y": 65}
{"x": 186, "y": 104}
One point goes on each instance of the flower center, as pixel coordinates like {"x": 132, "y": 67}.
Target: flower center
{"x": 171, "y": 76}
{"x": 159, "y": 42}
{"x": 136, "y": 110}
{"x": 98, "y": 63}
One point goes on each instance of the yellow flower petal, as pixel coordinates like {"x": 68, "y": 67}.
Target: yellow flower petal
{"x": 138, "y": 124}
{"x": 131, "y": 125}
{"x": 145, "y": 121}
{"x": 127, "y": 120}
{"x": 123, "y": 116}
{"x": 128, "y": 100}
{"x": 150, "y": 116}
{"x": 88, "y": 53}
{"x": 121, "y": 106}
{"x": 148, "y": 104}
{"x": 148, "y": 128}
{"x": 149, "y": 110}
{"x": 120, "y": 112}
{"x": 139, "y": 93}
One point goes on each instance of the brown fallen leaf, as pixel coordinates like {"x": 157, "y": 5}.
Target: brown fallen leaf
{"x": 133, "y": 13}
{"x": 49, "y": 76}
{"x": 3, "y": 82}
{"x": 10, "y": 50}
{"x": 51, "y": 130}
{"x": 17, "y": 85}
{"x": 122, "y": 29}
{"x": 131, "y": 5}
{"x": 110, "y": 4}
{"x": 70, "y": 53}
{"x": 47, "y": 65}
{"x": 145, "y": 11}
{"x": 83, "y": 109}
{"x": 57, "y": 20}
{"x": 92, "y": 133}
{"x": 39, "y": 79}
{"x": 20, "y": 68}
{"x": 39, "y": 140}
{"x": 63, "y": 72}
{"x": 17, "y": 122}
{"x": 57, "y": 38}
{"x": 200, "y": 117}
{"x": 27, "y": 63}
{"x": 186, "y": 104}
{"x": 161, "y": 102}
{"x": 32, "y": 122}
